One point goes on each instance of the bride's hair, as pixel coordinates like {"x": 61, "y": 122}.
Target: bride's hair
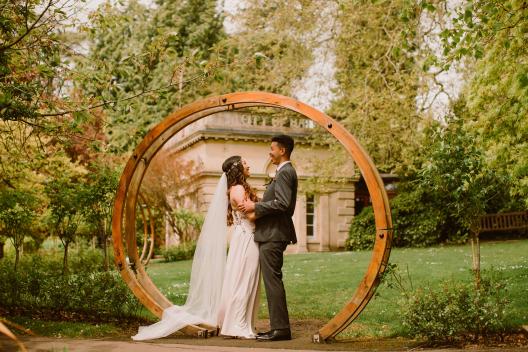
{"x": 234, "y": 171}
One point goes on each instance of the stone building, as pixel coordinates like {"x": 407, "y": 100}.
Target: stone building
{"x": 324, "y": 208}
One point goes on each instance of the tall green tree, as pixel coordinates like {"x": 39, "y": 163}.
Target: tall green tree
{"x": 489, "y": 36}
{"x": 30, "y": 60}
{"x": 454, "y": 177}
{"x": 98, "y": 201}
{"x": 18, "y": 210}
{"x": 142, "y": 58}
{"x": 65, "y": 214}
{"x": 378, "y": 77}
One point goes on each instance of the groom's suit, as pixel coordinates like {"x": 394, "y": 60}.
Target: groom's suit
{"x": 274, "y": 230}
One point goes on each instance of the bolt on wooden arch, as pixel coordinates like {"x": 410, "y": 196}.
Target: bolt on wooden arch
{"x": 123, "y": 221}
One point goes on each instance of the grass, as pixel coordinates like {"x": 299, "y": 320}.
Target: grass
{"x": 67, "y": 328}
{"x": 319, "y": 284}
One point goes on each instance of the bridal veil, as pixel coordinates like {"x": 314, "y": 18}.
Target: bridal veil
{"x": 207, "y": 274}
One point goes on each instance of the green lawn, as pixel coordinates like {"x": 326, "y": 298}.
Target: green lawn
{"x": 67, "y": 328}
{"x": 319, "y": 284}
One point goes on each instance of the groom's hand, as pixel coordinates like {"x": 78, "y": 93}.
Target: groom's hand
{"x": 247, "y": 206}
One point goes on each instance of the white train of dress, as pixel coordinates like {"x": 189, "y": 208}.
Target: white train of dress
{"x": 240, "y": 292}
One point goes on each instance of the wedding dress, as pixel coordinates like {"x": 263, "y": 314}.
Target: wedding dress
{"x": 240, "y": 293}
{"x": 218, "y": 296}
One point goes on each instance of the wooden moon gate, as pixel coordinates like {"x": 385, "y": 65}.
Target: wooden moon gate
{"x": 123, "y": 221}
{"x": 148, "y": 231}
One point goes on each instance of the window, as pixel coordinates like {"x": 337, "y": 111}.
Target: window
{"x": 310, "y": 215}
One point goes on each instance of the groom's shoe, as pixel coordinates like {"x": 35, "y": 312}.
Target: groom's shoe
{"x": 276, "y": 335}
{"x": 264, "y": 333}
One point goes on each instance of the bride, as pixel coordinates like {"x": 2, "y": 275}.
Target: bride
{"x": 222, "y": 292}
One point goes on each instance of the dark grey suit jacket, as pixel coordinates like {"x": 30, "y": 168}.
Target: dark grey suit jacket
{"x": 274, "y": 213}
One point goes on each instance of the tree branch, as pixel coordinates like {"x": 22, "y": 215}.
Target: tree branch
{"x": 104, "y": 103}
{"x": 28, "y": 30}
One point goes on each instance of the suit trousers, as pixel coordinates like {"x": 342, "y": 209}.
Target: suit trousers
{"x": 271, "y": 260}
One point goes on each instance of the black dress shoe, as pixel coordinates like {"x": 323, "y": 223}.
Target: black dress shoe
{"x": 264, "y": 333}
{"x": 276, "y": 335}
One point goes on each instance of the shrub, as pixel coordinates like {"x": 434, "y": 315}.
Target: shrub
{"x": 415, "y": 224}
{"x": 362, "y": 231}
{"x": 40, "y": 285}
{"x": 456, "y": 310}
{"x": 182, "y": 252}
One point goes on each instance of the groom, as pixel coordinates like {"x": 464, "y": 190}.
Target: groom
{"x": 273, "y": 232}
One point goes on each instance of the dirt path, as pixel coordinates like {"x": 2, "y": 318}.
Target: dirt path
{"x": 44, "y": 344}
{"x": 302, "y": 334}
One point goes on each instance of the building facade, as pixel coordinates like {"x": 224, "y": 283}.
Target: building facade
{"x": 325, "y": 204}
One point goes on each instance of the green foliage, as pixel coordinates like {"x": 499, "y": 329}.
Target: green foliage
{"x": 183, "y": 251}
{"x": 441, "y": 194}
{"x": 39, "y": 285}
{"x": 30, "y": 61}
{"x": 97, "y": 200}
{"x": 65, "y": 215}
{"x": 457, "y": 310}
{"x": 142, "y": 58}
{"x": 451, "y": 181}
{"x": 187, "y": 224}
{"x": 362, "y": 232}
{"x": 416, "y": 224}
{"x": 272, "y": 48}
{"x": 453, "y": 172}
{"x": 489, "y": 36}
{"x": 377, "y": 77}
{"x": 17, "y": 214}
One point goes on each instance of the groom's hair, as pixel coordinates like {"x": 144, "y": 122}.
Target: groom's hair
{"x": 285, "y": 142}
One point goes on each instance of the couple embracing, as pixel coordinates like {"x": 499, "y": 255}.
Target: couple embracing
{"x": 224, "y": 292}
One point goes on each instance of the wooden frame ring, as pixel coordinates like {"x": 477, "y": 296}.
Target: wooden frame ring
{"x": 124, "y": 215}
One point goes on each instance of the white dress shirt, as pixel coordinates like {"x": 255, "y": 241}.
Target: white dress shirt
{"x": 282, "y": 164}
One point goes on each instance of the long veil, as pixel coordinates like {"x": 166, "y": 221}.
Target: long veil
{"x": 207, "y": 274}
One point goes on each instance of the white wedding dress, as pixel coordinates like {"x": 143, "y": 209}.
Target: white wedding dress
{"x": 222, "y": 292}
{"x": 240, "y": 292}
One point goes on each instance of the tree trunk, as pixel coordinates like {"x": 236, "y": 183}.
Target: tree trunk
{"x": 65, "y": 260}
{"x": 2, "y": 243}
{"x": 105, "y": 254}
{"x": 17, "y": 257}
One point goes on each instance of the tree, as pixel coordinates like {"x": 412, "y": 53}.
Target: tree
{"x": 451, "y": 175}
{"x": 2, "y": 244}
{"x": 140, "y": 60}
{"x": 489, "y": 36}
{"x": 30, "y": 58}
{"x": 64, "y": 215}
{"x": 378, "y": 76}
{"x": 187, "y": 224}
{"x": 98, "y": 201}
{"x": 441, "y": 193}
{"x": 17, "y": 212}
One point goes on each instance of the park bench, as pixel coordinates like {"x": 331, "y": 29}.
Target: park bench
{"x": 501, "y": 222}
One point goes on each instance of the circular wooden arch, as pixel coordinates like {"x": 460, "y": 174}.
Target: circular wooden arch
{"x": 123, "y": 221}
{"x": 148, "y": 232}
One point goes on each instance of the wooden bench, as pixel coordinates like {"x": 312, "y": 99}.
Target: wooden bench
{"x": 500, "y": 222}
